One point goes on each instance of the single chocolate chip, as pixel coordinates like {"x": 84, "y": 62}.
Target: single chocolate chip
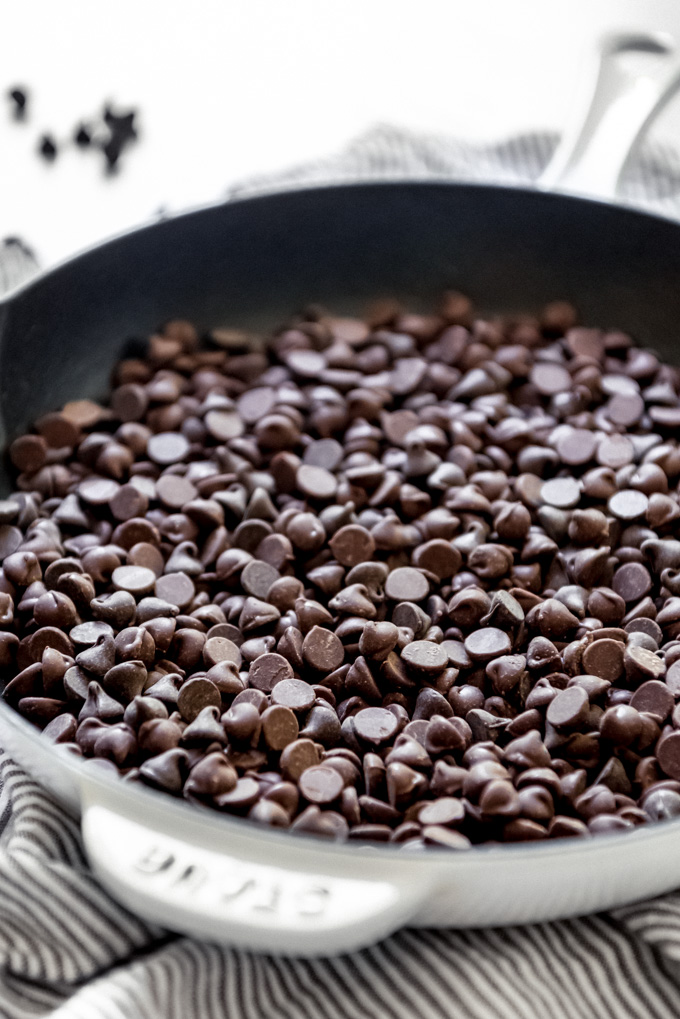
{"x": 486, "y": 643}
{"x": 316, "y": 482}
{"x": 176, "y": 588}
{"x": 569, "y": 708}
{"x": 447, "y": 811}
{"x": 167, "y": 448}
{"x": 621, "y": 725}
{"x": 655, "y": 698}
{"x": 628, "y": 504}
{"x": 424, "y": 656}
{"x": 322, "y": 650}
{"x": 323, "y": 726}
{"x": 294, "y": 694}
{"x": 668, "y": 755}
{"x": 320, "y": 784}
{"x": 136, "y": 580}
{"x": 268, "y": 670}
{"x": 98, "y": 704}
{"x": 175, "y": 491}
{"x": 604, "y": 658}
{"x": 658, "y": 804}
{"x": 116, "y": 609}
{"x": 550, "y": 378}
{"x": 279, "y": 727}
{"x": 404, "y": 785}
{"x": 642, "y": 664}
{"x": 61, "y": 729}
{"x": 257, "y": 577}
{"x": 577, "y": 446}
{"x": 625, "y": 408}
{"x": 241, "y": 798}
{"x": 28, "y": 453}
{"x": 407, "y": 584}
{"x": 194, "y": 695}
{"x": 645, "y": 625}
{"x": 297, "y": 757}
{"x": 19, "y": 97}
{"x": 166, "y": 771}
{"x": 224, "y": 425}
{"x": 126, "y": 680}
{"x": 48, "y": 148}
{"x": 212, "y": 776}
{"x": 205, "y": 729}
{"x": 632, "y": 581}
{"x": 376, "y": 725}
{"x": 352, "y": 545}
{"x": 563, "y": 493}
{"x": 128, "y": 502}
{"x": 256, "y": 614}
{"x": 98, "y": 491}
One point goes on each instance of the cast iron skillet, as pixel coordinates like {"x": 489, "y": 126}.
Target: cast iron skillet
{"x": 251, "y": 262}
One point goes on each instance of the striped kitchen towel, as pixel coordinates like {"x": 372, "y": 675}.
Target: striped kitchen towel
{"x": 651, "y": 179}
{"x": 68, "y": 951}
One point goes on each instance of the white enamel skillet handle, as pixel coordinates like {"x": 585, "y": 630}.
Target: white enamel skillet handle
{"x": 622, "y": 103}
{"x": 238, "y": 885}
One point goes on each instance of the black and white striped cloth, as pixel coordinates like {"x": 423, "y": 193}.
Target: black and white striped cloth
{"x": 68, "y": 951}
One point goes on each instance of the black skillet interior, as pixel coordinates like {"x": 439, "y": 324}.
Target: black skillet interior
{"x": 254, "y": 261}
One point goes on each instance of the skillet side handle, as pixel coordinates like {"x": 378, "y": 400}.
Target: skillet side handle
{"x": 234, "y": 896}
{"x": 623, "y": 102}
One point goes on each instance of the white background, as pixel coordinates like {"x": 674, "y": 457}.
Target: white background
{"x": 230, "y": 88}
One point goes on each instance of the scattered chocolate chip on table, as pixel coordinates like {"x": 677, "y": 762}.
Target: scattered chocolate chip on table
{"x": 18, "y": 96}
{"x": 47, "y": 147}
{"x": 412, "y": 579}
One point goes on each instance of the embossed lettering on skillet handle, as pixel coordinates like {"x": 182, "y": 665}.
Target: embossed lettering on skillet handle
{"x": 227, "y": 896}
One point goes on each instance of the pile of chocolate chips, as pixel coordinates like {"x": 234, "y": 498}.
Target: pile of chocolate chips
{"x": 411, "y": 579}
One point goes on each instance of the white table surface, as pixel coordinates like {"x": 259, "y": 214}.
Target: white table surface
{"x": 230, "y": 88}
